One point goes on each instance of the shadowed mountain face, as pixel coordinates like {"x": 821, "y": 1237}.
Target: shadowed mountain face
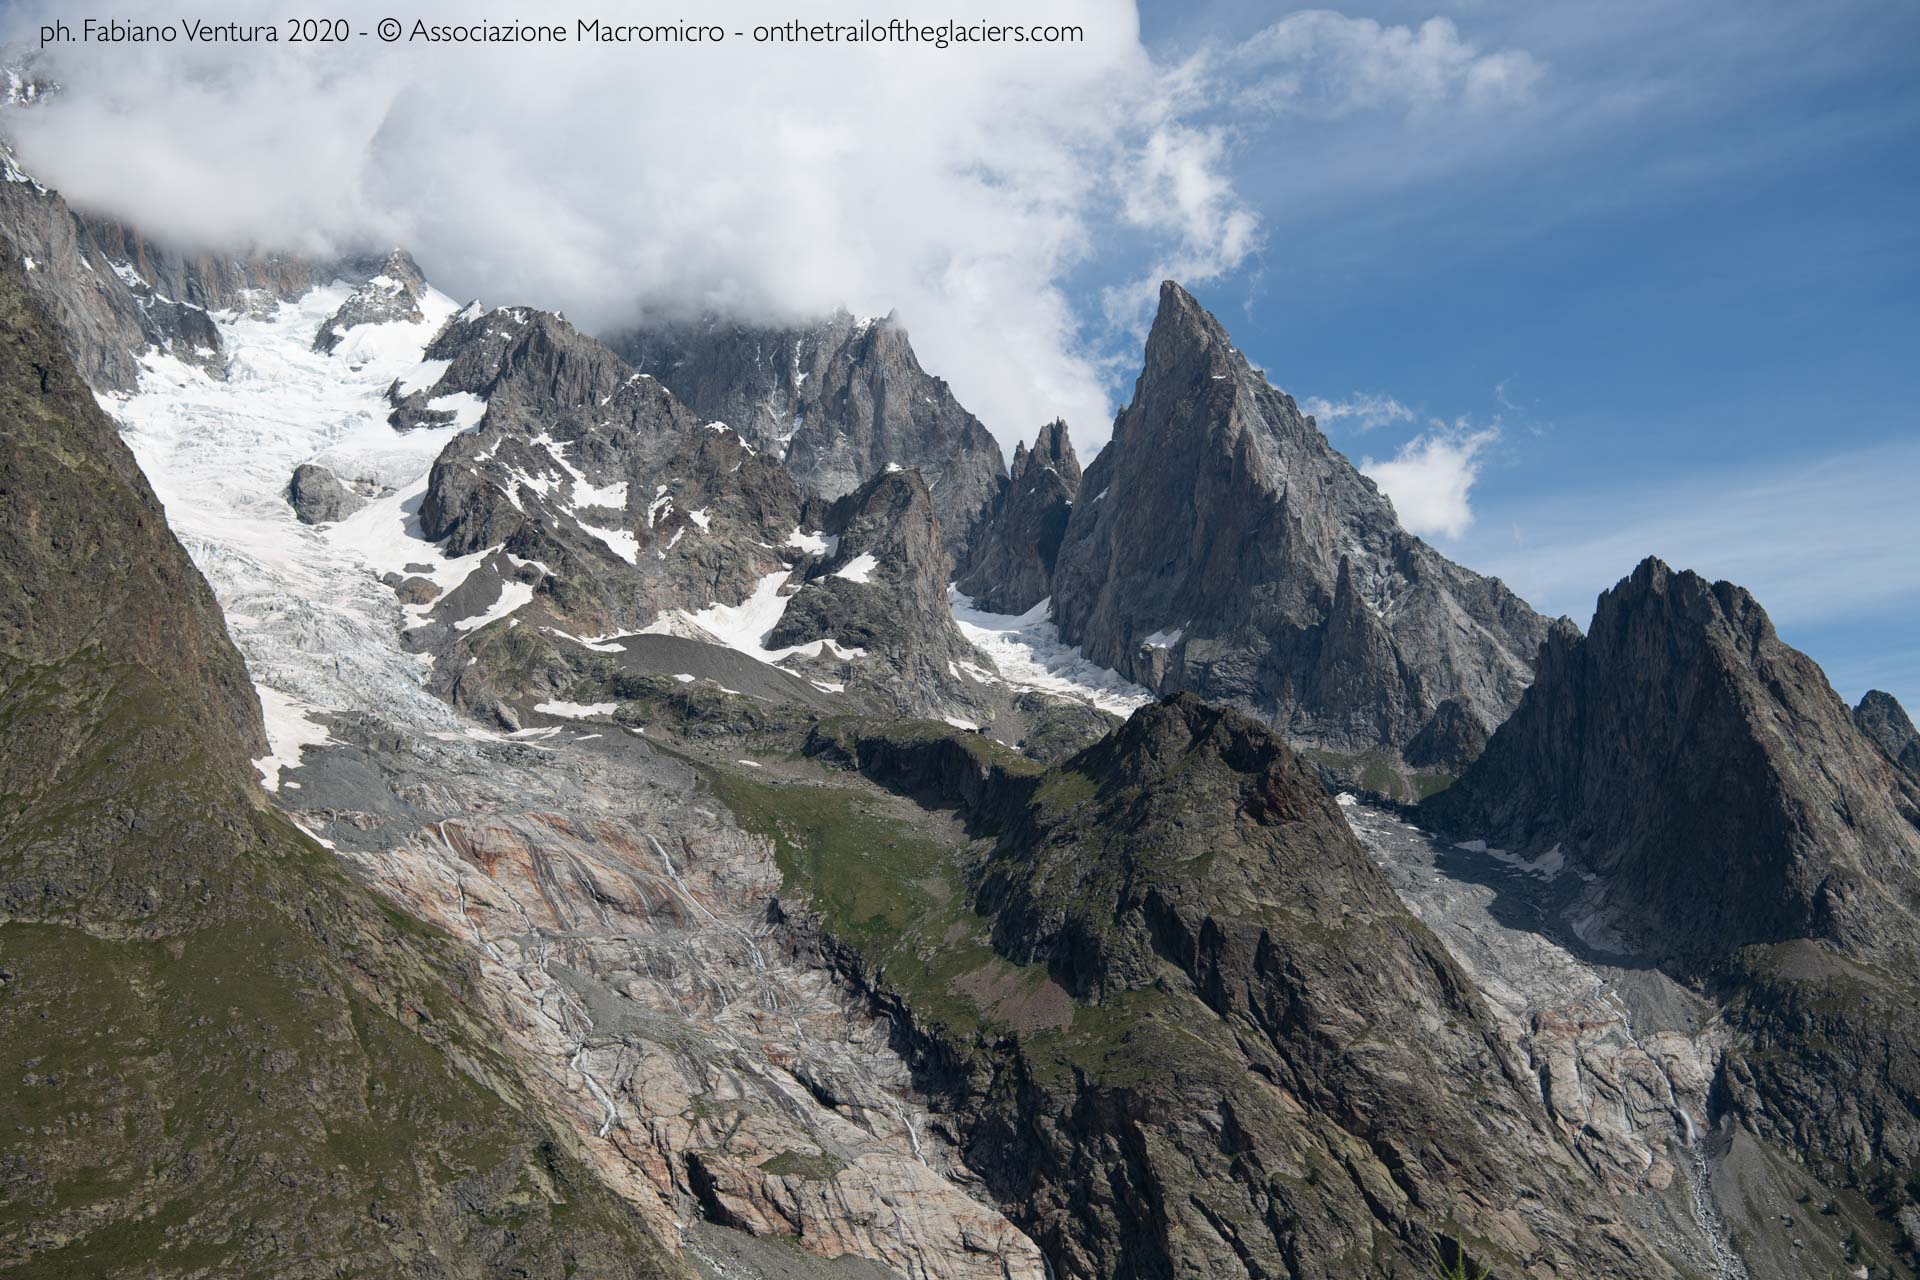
{"x": 222, "y": 1058}
{"x": 1885, "y": 721}
{"x": 1018, "y": 542}
{"x": 880, "y": 592}
{"x": 1739, "y": 827}
{"x": 837, "y": 402}
{"x": 1238, "y": 1054}
{"x": 1220, "y": 545}
{"x": 1709, "y": 774}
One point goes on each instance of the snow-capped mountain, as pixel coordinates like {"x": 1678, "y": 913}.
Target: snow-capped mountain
{"x": 819, "y": 921}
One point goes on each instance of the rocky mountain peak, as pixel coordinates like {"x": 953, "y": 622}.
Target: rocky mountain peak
{"x": 1709, "y": 777}
{"x": 1017, "y": 543}
{"x": 1882, "y": 718}
{"x": 1212, "y": 552}
{"x": 1181, "y": 326}
{"x": 1053, "y": 448}
{"x": 879, "y": 593}
{"x": 391, "y": 293}
{"x": 836, "y": 400}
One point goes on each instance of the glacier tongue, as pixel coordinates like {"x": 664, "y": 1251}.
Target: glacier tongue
{"x": 1624, "y": 1058}
{"x": 305, "y": 606}
{"x": 621, "y": 932}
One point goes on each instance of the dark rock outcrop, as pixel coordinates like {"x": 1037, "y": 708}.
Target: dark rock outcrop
{"x": 1452, "y": 740}
{"x": 1882, "y": 718}
{"x": 317, "y": 496}
{"x": 221, "y": 1056}
{"x": 1252, "y": 1060}
{"x": 389, "y": 295}
{"x": 837, "y": 401}
{"x": 882, "y": 591}
{"x": 1015, "y": 548}
{"x": 1738, "y": 827}
{"x": 1221, "y": 545}
{"x": 1708, "y": 774}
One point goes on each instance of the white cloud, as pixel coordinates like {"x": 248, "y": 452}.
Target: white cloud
{"x": 961, "y": 186}
{"x": 1431, "y": 477}
{"x": 1320, "y": 63}
{"x": 1366, "y": 410}
{"x": 1177, "y": 180}
{"x": 984, "y": 192}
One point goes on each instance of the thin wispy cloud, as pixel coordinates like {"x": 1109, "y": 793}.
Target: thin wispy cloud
{"x": 1362, "y": 411}
{"x": 1321, "y": 63}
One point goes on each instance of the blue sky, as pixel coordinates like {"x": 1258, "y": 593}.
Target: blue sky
{"x": 1677, "y": 278}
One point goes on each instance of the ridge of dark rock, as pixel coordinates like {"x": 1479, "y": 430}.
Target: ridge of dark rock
{"x": 1708, "y": 774}
{"x": 1017, "y": 543}
{"x": 1226, "y": 548}
{"x": 1882, "y": 718}
{"x": 1212, "y": 1092}
{"x": 1736, "y": 824}
{"x": 837, "y": 401}
{"x": 882, "y": 590}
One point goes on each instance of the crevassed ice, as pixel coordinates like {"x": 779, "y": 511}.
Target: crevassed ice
{"x": 305, "y": 606}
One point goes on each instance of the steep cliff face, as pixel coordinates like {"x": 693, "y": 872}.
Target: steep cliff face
{"x": 222, "y": 1057}
{"x": 1708, "y": 773}
{"x": 1012, "y": 557}
{"x": 873, "y": 607}
{"x": 1205, "y": 1037}
{"x": 837, "y": 401}
{"x": 1881, "y": 717}
{"x": 1736, "y": 825}
{"x": 1220, "y": 545}
{"x": 114, "y": 294}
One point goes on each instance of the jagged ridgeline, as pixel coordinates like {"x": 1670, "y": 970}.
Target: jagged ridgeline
{"x": 762, "y": 836}
{"x": 1203, "y": 1035}
{"x": 221, "y": 1057}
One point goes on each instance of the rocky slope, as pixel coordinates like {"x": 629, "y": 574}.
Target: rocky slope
{"x": 1882, "y": 718}
{"x": 222, "y": 1057}
{"x": 873, "y": 607}
{"x": 837, "y": 402}
{"x": 599, "y": 506}
{"x": 1220, "y": 545}
{"x": 1708, "y": 774}
{"x": 1010, "y": 563}
{"x": 1734, "y": 824}
{"x": 1183, "y": 892}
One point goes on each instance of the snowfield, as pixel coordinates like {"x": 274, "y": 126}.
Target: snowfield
{"x": 305, "y": 606}
{"x": 1029, "y": 653}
